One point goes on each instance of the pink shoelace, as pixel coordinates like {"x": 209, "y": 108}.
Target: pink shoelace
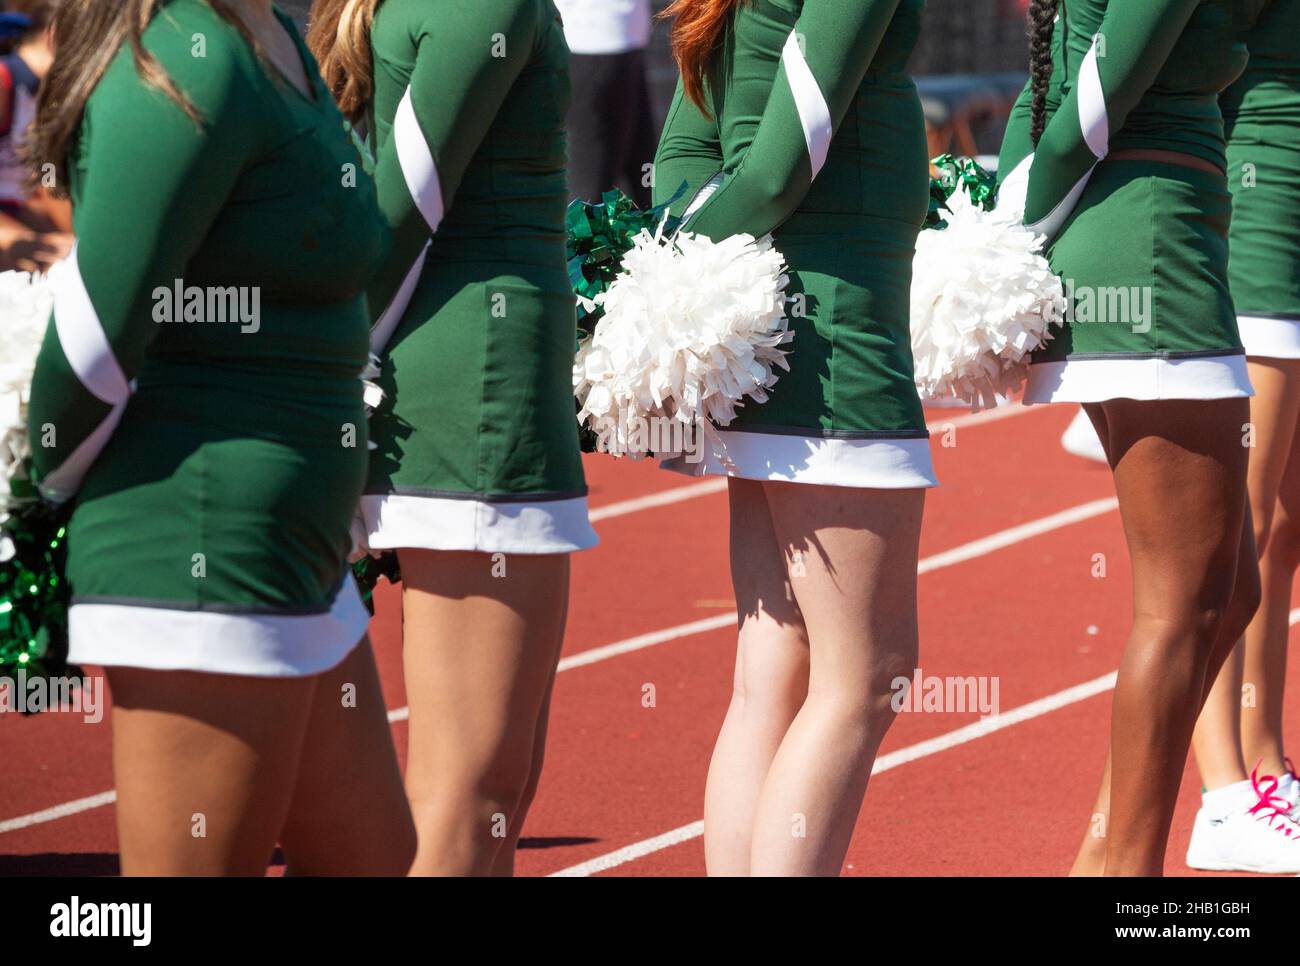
{"x": 1271, "y": 806}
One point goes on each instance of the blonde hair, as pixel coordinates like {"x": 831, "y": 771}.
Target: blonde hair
{"x": 338, "y": 34}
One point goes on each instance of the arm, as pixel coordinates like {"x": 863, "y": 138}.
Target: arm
{"x": 689, "y": 150}
{"x": 156, "y": 182}
{"x": 1017, "y": 145}
{"x": 1128, "y": 54}
{"x": 822, "y": 66}
{"x": 465, "y": 65}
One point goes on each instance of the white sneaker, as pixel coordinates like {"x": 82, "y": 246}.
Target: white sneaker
{"x": 1263, "y": 838}
{"x": 1080, "y": 439}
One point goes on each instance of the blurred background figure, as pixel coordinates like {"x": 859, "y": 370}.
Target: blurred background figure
{"x": 612, "y": 128}
{"x": 35, "y": 229}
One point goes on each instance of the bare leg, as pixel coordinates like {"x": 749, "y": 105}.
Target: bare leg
{"x": 1183, "y": 461}
{"x": 349, "y": 814}
{"x": 481, "y": 635}
{"x": 856, "y": 590}
{"x": 205, "y": 766}
{"x": 771, "y": 681}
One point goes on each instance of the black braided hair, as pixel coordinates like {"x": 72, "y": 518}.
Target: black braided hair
{"x": 1042, "y": 18}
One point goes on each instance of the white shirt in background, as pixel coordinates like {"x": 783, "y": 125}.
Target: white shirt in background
{"x": 605, "y": 26}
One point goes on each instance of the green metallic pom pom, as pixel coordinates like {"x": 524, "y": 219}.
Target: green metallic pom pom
{"x": 599, "y": 235}
{"x": 34, "y": 594}
{"x": 954, "y": 173}
{"x": 367, "y": 572}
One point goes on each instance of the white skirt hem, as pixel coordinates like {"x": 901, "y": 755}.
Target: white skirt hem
{"x": 884, "y": 464}
{"x": 1097, "y": 380}
{"x": 1270, "y": 338}
{"x": 248, "y": 645}
{"x": 397, "y": 521}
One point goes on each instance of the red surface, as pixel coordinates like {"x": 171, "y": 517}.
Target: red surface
{"x": 617, "y": 773}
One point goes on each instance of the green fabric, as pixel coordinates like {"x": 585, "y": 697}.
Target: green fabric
{"x": 233, "y": 446}
{"x": 848, "y": 235}
{"x": 1165, "y": 257}
{"x": 1017, "y": 143}
{"x": 1262, "y": 119}
{"x": 1162, "y": 67}
{"x": 478, "y": 375}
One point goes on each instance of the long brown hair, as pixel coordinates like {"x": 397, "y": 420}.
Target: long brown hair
{"x": 1042, "y": 20}
{"x": 87, "y": 36}
{"x": 697, "y": 29}
{"x": 338, "y": 33}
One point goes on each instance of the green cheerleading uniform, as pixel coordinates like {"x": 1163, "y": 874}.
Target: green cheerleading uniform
{"x": 477, "y": 445}
{"x": 815, "y": 133}
{"x": 215, "y": 442}
{"x": 1142, "y": 246}
{"x": 1261, "y": 113}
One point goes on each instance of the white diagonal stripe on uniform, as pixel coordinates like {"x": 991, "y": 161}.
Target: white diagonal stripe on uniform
{"x": 82, "y": 336}
{"x": 814, "y": 114}
{"x": 417, "y": 164}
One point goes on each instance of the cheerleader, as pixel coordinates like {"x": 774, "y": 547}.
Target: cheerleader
{"x": 476, "y": 481}
{"x": 796, "y": 117}
{"x": 1116, "y": 151}
{"x": 216, "y": 461}
{"x": 1238, "y": 743}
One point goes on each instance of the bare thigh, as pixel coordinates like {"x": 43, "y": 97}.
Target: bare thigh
{"x": 349, "y": 814}
{"x": 205, "y": 767}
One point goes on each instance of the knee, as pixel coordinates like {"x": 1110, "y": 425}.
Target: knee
{"x": 1169, "y": 638}
{"x": 870, "y": 704}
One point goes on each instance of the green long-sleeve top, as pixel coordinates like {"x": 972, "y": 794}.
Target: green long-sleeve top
{"x": 1264, "y": 103}
{"x": 468, "y": 116}
{"x": 1131, "y": 74}
{"x": 810, "y": 112}
{"x": 253, "y": 201}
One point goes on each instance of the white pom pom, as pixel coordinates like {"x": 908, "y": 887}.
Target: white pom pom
{"x": 983, "y": 299}
{"x": 691, "y": 328}
{"x": 25, "y": 304}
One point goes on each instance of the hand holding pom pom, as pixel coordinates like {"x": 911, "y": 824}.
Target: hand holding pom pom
{"x": 691, "y": 328}
{"x": 983, "y": 298}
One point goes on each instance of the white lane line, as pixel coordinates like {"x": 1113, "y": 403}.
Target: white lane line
{"x": 58, "y": 811}
{"x": 636, "y": 850}
{"x": 583, "y": 658}
{"x": 1016, "y": 534}
{"x": 968, "y": 551}
{"x": 922, "y": 749}
{"x": 665, "y": 498}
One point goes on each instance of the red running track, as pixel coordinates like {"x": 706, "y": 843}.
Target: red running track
{"x": 1007, "y": 591}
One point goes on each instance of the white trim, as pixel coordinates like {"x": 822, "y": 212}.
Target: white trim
{"x": 383, "y": 329}
{"x": 1013, "y": 190}
{"x": 395, "y": 521}
{"x": 63, "y": 483}
{"x": 704, "y": 194}
{"x": 81, "y": 335}
{"x": 886, "y": 464}
{"x": 263, "y": 646}
{"x": 1094, "y": 120}
{"x": 417, "y": 164}
{"x": 814, "y": 114}
{"x": 1096, "y": 380}
{"x": 1267, "y": 338}
{"x": 1051, "y": 223}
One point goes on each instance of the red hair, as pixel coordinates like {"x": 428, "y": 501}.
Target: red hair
{"x": 697, "y": 28}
